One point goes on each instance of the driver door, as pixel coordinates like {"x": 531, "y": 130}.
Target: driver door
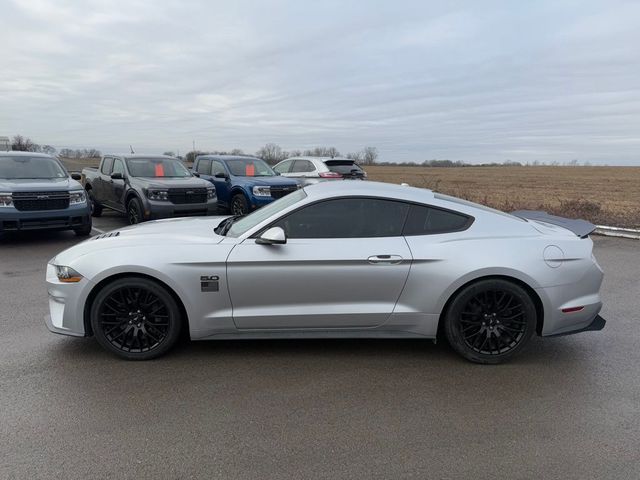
{"x": 344, "y": 265}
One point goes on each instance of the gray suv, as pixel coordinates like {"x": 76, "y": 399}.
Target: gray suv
{"x": 37, "y": 192}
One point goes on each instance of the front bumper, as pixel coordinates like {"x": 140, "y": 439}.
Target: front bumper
{"x": 154, "y": 210}
{"x": 75, "y": 216}
{"x": 66, "y": 305}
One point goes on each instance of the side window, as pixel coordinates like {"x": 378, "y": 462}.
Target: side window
{"x": 107, "y": 165}
{"x": 303, "y": 166}
{"x": 204, "y": 166}
{"x": 218, "y": 168}
{"x": 283, "y": 167}
{"x": 424, "y": 220}
{"x": 117, "y": 167}
{"x": 346, "y": 218}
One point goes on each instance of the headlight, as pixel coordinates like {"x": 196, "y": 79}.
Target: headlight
{"x": 160, "y": 195}
{"x": 6, "y": 200}
{"x": 76, "y": 197}
{"x": 211, "y": 193}
{"x": 67, "y": 274}
{"x": 262, "y": 191}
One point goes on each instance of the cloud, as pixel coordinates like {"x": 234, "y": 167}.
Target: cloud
{"x": 419, "y": 80}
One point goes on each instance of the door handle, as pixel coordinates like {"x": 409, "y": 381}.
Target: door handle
{"x": 385, "y": 259}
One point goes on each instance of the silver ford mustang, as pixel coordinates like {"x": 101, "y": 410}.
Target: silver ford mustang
{"x": 333, "y": 260}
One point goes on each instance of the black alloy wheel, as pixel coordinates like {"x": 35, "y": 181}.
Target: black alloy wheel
{"x": 135, "y": 318}
{"x": 134, "y": 211}
{"x": 490, "y": 321}
{"x": 239, "y": 205}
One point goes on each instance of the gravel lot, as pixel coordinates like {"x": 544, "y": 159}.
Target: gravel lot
{"x": 567, "y": 408}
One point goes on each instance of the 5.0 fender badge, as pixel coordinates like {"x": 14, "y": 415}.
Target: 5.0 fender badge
{"x": 209, "y": 283}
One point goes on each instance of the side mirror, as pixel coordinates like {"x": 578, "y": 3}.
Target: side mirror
{"x": 76, "y": 176}
{"x": 220, "y": 175}
{"x": 117, "y": 176}
{"x": 196, "y": 174}
{"x": 273, "y": 236}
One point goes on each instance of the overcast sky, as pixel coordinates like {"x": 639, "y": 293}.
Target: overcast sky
{"x": 462, "y": 80}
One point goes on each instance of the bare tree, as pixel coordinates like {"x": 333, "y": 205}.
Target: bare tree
{"x": 355, "y": 156}
{"x": 237, "y": 151}
{"x": 369, "y": 155}
{"x": 169, "y": 154}
{"x": 322, "y": 152}
{"x": 24, "y": 144}
{"x": 49, "y": 150}
{"x": 271, "y": 153}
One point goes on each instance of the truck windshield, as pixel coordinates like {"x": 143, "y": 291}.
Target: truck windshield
{"x": 249, "y": 167}
{"x": 156, "y": 167}
{"x": 30, "y": 167}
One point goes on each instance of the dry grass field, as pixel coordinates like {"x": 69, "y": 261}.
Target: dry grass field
{"x": 602, "y": 195}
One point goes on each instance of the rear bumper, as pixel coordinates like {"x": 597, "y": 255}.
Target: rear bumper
{"x": 12, "y": 220}
{"x": 598, "y": 323}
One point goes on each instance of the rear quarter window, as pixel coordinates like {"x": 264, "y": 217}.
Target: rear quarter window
{"x": 424, "y": 220}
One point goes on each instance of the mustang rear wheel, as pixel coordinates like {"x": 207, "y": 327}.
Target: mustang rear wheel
{"x": 490, "y": 321}
{"x": 135, "y": 318}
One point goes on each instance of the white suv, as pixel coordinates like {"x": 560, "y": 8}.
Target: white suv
{"x": 309, "y": 170}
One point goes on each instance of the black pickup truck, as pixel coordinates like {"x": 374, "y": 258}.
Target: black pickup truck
{"x": 146, "y": 187}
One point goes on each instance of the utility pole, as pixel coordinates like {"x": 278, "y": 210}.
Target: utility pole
{"x": 194, "y": 145}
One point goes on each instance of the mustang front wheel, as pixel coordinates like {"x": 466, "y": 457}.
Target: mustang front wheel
{"x": 135, "y": 318}
{"x": 490, "y": 321}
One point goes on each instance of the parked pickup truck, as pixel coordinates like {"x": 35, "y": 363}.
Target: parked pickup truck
{"x": 37, "y": 192}
{"x": 242, "y": 183}
{"x": 146, "y": 187}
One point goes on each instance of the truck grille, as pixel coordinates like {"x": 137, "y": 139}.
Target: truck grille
{"x": 180, "y": 196}
{"x": 279, "y": 192}
{"x": 37, "y": 201}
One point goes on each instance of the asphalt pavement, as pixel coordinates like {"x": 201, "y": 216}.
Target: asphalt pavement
{"x": 566, "y": 408}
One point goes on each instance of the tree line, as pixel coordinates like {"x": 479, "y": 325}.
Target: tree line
{"x": 272, "y": 153}
{"x": 25, "y": 144}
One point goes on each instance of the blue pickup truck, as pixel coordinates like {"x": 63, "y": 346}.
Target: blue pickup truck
{"x": 242, "y": 183}
{"x": 36, "y": 192}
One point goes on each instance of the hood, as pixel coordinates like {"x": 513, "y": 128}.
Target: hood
{"x": 39, "y": 185}
{"x": 275, "y": 181}
{"x": 186, "y": 182}
{"x": 168, "y": 232}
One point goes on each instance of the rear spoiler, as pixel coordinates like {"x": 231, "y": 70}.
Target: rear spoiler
{"x": 581, "y": 228}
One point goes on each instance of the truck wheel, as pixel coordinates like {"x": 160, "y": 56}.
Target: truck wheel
{"x": 134, "y": 211}
{"x": 96, "y": 208}
{"x": 83, "y": 231}
{"x": 239, "y": 205}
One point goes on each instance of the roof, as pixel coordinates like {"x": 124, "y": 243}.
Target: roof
{"x": 13, "y": 153}
{"x": 367, "y": 188}
{"x": 322, "y": 159}
{"x": 227, "y": 157}
{"x": 137, "y": 155}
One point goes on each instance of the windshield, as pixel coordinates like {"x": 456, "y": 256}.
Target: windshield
{"x": 30, "y": 167}
{"x": 249, "y": 167}
{"x": 156, "y": 167}
{"x": 244, "y": 224}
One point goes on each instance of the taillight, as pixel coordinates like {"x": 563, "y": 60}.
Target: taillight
{"x": 330, "y": 175}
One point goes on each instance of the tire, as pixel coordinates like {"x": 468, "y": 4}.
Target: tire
{"x": 96, "y": 208}
{"x": 490, "y": 321}
{"x": 134, "y": 211}
{"x": 135, "y": 318}
{"x": 239, "y": 204}
{"x": 83, "y": 231}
